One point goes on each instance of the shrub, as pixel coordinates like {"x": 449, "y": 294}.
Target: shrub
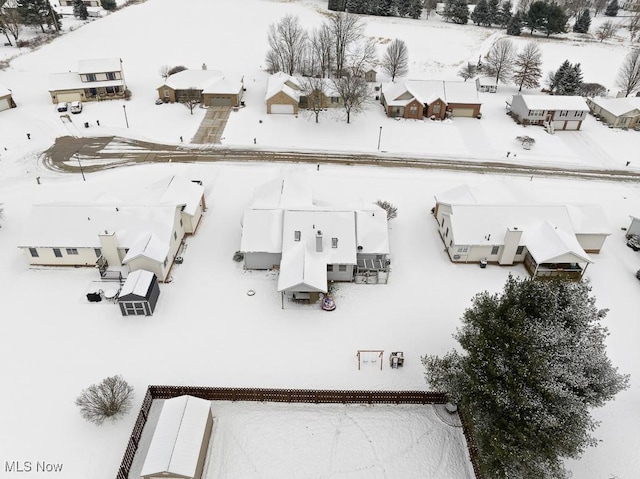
{"x": 110, "y": 399}
{"x": 392, "y": 211}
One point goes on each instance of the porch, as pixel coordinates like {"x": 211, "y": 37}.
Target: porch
{"x": 372, "y": 271}
{"x": 570, "y": 271}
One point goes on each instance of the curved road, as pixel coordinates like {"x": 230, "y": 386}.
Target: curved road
{"x": 69, "y": 154}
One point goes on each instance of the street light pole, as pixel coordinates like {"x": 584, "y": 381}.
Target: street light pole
{"x": 379, "y": 138}
{"x": 124, "y": 108}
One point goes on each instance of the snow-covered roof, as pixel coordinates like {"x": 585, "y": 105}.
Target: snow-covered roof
{"x": 209, "y": 81}
{"x": 588, "y": 219}
{"x": 99, "y": 65}
{"x": 281, "y": 82}
{"x": 279, "y": 193}
{"x": 148, "y": 246}
{"x": 262, "y": 231}
{"x": 300, "y": 270}
{"x": 427, "y": 91}
{"x": 138, "y": 283}
{"x": 461, "y": 194}
{"x": 554, "y": 102}
{"x": 487, "y": 81}
{"x": 178, "y": 437}
{"x": 372, "y": 233}
{"x": 72, "y": 81}
{"x": 4, "y": 91}
{"x": 78, "y": 225}
{"x": 175, "y": 190}
{"x": 629, "y": 106}
{"x": 549, "y": 244}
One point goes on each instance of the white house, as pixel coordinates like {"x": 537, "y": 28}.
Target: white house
{"x": 312, "y": 242}
{"x": 548, "y": 239}
{"x": 555, "y": 112}
{"x": 178, "y": 448}
{"x": 487, "y": 84}
{"x": 116, "y": 234}
{"x": 96, "y": 79}
{"x": 621, "y": 112}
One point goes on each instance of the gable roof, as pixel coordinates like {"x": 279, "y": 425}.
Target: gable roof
{"x": 281, "y": 82}
{"x": 628, "y": 106}
{"x": 148, "y": 246}
{"x": 4, "y": 91}
{"x": 138, "y": 283}
{"x": 549, "y": 244}
{"x": 209, "y": 81}
{"x": 178, "y": 436}
{"x": 99, "y": 65}
{"x": 554, "y": 102}
{"x": 427, "y": 91}
{"x": 175, "y": 190}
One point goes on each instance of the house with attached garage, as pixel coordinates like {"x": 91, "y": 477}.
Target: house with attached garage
{"x": 618, "y": 112}
{"x": 313, "y": 242}
{"x": 96, "y": 79}
{"x": 6, "y": 100}
{"x": 554, "y": 112}
{"x": 551, "y": 240}
{"x": 116, "y": 235}
{"x": 434, "y": 99}
{"x": 287, "y": 94}
{"x": 212, "y": 88}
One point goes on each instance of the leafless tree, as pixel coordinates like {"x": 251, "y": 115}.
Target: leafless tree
{"x": 592, "y": 89}
{"x": 467, "y": 71}
{"x": 633, "y": 25}
{"x": 164, "y": 71}
{"x": 430, "y": 6}
{"x": 574, "y": 7}
{"x": 362, "y": 56}
{"x": 346, "y": 30}
{"x": 287, "y": 43}
{"x": 321, "y": 49}
{"x": 598, "y": 6}
{"x": 629, "y": 74}
{"x": 313, "y": 91}
{"x": 354, "y": 91}
{"x": 110, "y": 399}
{"x": 606, "y": 30}
{"x": 527, "y": 69}
{"x": 10, "y": 22}
{"x": 395, "y": 61}
{"x": 190, "y": 98}
{"x": 500, "y": 60}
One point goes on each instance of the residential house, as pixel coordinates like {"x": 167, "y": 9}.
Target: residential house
{"x": 634, "y": 227}
{"x": 551, "y": 240}
{"x": 621, "y": 112}
{"x": 554, "y": 112}
{"x": 87, "y": 3}
{"x": 212, "y": 88}
{"x": 487, "y": 84}
{"x": 287, "y": 94}
{"x": 312, "y": 242}
{"x": 97, "y": 79}
{"x": 115, "y": 235}
{"x": 434, "y": 99}
{"x": 6, "y": 100}
{"x": 180, "y": 440}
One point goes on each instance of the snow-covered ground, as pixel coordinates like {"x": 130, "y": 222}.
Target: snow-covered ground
{"x": 206, "y": 330}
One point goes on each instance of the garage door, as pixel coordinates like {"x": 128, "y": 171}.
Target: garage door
{"x": 69, "y": 97}
{"x": 216, "y": 101}
{"x": 282, "y": 109}
{"x": 464, "y": 112}
{"x": 4, "y": 104}
{"x": 572, "y": 125}
{"x": 558, "y": 125}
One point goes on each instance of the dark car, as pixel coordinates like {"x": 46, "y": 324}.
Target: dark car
{"x": 633, "y": 242}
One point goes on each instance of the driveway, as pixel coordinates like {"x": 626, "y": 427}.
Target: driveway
{"x": 212, "y": 126}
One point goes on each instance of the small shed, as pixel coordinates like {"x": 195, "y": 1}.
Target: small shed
{"x": 180, "y": 441}
{"x": 370, "y": 76}
{"x": 487, "y": 84}
{"x": 139, "y": 294}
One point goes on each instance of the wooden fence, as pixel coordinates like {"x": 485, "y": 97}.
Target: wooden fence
{"x": 313, "y": 396}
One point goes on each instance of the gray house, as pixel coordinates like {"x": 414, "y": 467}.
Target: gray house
{"x": 552, "y": 112}
{"x": 139, "y": 294}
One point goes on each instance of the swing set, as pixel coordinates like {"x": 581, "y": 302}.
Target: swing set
{"x": 370, "y": 355}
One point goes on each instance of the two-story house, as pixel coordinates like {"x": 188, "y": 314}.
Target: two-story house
{"x": 98, "y": 79}
{"x": 554, "y": 112}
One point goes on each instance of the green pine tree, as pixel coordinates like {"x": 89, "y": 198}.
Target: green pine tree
{"x": 555, "y": 20}
{"x": 480, "y": 14}
{"x": 583, "y": 22}
{"x": 535, "y": 17}
{"x": 80, "y": 10}
{"x": 514, "y": 26}
{"x": 494, "y": 12}
{"x": 612, "y": 9}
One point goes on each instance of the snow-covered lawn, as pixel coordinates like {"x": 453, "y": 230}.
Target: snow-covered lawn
{"x": 206, "y": 330}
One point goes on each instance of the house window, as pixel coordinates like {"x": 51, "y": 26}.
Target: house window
{"x": 33, "y": 252}
{"x": 57, "y": 253}
{"x": 91, "y": 77}
{"x": 175, "y": 235}
{"x": 413, "y": 109}
{"x": 180, "y": 222}
{"x": 166, "y": 260}
{"x": 334, "y": 242}
{"x": 442, "y": 224}
{"x": 463, "y": 249}
{"x": 342, "y": 268}
{"x": 446, "y": 234}
{"x": 111, "y": 76}
{"x": 166, "y": 93}
{"x": 436, "y": 108}
{"x": 329, "y": 268}
{"x": 520, "y": 250}
{"x": 72, "y": 250}
{"x": 494, "y": 249}
{"x": 450, "y": 243}
{"x": 335, "y": 99}
{"x": 296, "y": 235}
{"x": 564, "y": 113}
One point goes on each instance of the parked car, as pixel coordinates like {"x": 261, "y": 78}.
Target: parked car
{"x": 62, "y": 106}
{"x": 633, "y": 242}
{"x": 76, "y": 107}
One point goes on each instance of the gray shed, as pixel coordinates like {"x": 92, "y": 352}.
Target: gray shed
{"x": 139, "y": 294}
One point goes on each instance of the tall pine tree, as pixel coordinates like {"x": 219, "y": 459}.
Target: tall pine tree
{"x": 612, "y": 9}
{"x": 583, "y": 22}
{"x": 80, "y": 10}
{"x": 514, "y": 27}
{"x": 480, "y": 14}
{"x": 494, "y": 12}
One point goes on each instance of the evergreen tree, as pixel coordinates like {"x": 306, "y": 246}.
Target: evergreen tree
{"x": 403, "y": 7}
{"x": 352, "y": 6}
{"x": 612, "y": 9}
{"x": 33, "y": 12}
{"x": 80, "y": 10}
{"x": 555, "y": 20}
{"x": 567, "y": 80}
{"x": 460, "y": 12}
{"x": 387, "y": 8}
{"x": 535, "y": 16}
{"x": 514, "y": 27}
{"x": 583, "y": 22}
{"x": 533, "y": 366}
{"x": 416, "y": 9}
{"x": 494, "y": 12}
{"x": 480, "y": 14}
{"x": 109, "y": 4}
{"x": 527, "y": 67}
{"x": 504, "y": 15}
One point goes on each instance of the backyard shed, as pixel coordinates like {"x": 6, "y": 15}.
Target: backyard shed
{"x": 139, "y": 294}
{"x": 180, "y": 440}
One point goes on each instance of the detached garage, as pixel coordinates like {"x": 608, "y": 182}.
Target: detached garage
{"x": 139, "y": 294}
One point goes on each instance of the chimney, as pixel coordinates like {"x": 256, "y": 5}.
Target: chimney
{"x": 204, "y": 66}
{"x": 319, "y": 241}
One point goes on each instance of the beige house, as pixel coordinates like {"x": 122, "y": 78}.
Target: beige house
{"x": 618, "y": 112}
{"x": 554, "y": 112}
{"x": 551, "y": 240}
{"x": 283, "y": 94}
{"x": 431, "y": 99}
{"x": 311, "y": 242}
{"x": 180, "y": 440}
{"x": 98, "y": 79}
{"x": 212, "y": 88}
{"x": 6, "y": 100}
{"x": 118, "y": 235}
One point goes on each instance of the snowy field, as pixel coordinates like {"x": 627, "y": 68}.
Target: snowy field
{"x": 206, "y": 330}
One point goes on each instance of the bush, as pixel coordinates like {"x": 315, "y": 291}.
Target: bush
{"x": 110, "y": 399}
{"x": 392, "y": 211}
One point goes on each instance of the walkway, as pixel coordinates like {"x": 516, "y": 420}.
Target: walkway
{"x": 212, "y": 126}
